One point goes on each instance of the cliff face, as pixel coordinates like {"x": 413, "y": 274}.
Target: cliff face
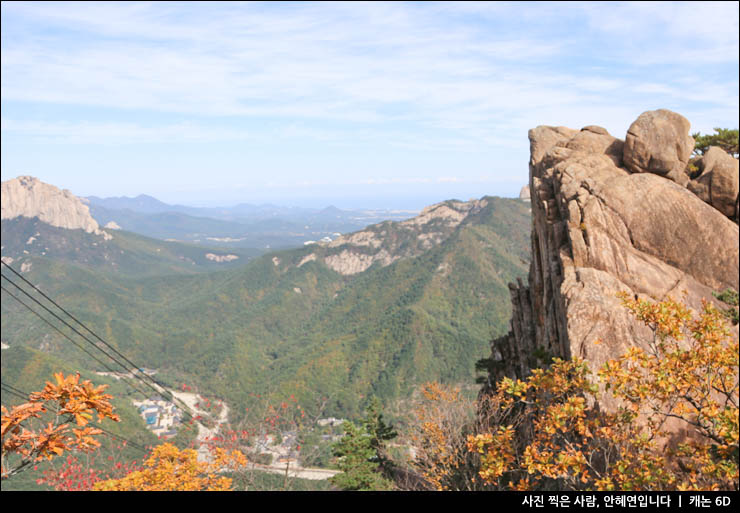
{"x": 611, "y": 216}
{"x": 27, "y": 196}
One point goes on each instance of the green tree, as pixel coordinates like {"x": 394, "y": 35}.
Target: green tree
{"x": 730, "y": 297}
{"x": 378, "y": 430}
{"x": 724, "y": 138}
{"x": 361, "y": 452}
{"x": 315, "y": 451}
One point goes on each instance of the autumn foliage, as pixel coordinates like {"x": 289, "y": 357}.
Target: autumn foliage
{"x": 53, "y": 421}
{"x": 441, "y": 420}
{"x": 171, "y": 469}
{"x": 81, "y": 472}
{"x": 674, "y": 423}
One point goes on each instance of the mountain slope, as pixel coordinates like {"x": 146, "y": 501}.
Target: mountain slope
{"x": 124, "y": 253}
{"x": 424, "y": 303}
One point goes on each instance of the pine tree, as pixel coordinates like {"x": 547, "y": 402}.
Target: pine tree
{"x": 724, "y": 138}
{"x": 378, "y": 430}
{"x": 361, "y": 452}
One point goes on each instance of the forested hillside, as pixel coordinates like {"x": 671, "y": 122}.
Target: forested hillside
{"x": 286, "y": 324}
{"x": 124, "y": 253}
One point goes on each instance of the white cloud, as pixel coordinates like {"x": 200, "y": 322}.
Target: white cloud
{"x": 649, "y": 33}
{"x": 412, "y": 75}
{"x": 120, "y": 133}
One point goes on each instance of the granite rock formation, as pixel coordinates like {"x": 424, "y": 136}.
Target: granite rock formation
{"x": 387, "y": 242}
{"x": 658, "y": 142}
{"x": 524, "y": 193}
{"x": 27, "y": 196}
{"x": 607, "y": 217}
{"x": 718, "y": 182}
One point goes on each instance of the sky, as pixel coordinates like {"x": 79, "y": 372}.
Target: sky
{"x": 359, "y": 105}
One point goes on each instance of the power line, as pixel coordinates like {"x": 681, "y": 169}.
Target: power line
{"x": 60, "y": 319}
{"x": 13, "y": 392}
{"x": 101, "y": 362}
{"x": 188, "y": 414}
{"x": 172, "y": 398}
{"x": 73, "y": 329}
{"x": 136, "y": 375}
{"x": 72, "y": 317}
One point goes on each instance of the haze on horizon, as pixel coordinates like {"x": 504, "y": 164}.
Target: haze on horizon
{"x": 379, "y": 105}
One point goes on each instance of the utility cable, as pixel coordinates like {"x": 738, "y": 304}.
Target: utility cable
{"x": 134, "y": 366}
{"x": 13, "y": 392}
{"x": 135, "y": 375}
{"x": 188, "y": 416}
{"x": 131, "y": 384}
{"x": 80, "y": 347}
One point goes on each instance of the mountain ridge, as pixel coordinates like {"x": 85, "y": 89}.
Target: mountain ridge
{"x": 287, "y": 323}
{"x": 26, "y": 196}
{"x": 263, "y": 226}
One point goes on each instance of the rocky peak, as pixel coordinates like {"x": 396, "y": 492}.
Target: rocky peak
{"x": 27, "y": 196}
{"x": 450, "y": 213}
{"x": 611, "y": 216}
{"x": 390, "y": 241}
{"x": 524, "y": 193}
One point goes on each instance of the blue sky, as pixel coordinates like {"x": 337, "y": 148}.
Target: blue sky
{"x": 384, "y": 105}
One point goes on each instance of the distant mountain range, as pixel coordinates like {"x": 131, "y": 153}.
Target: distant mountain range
{"x": 145, "y": 204}
{"x": 41, "y": 220}
{"x": 244, "y": 225}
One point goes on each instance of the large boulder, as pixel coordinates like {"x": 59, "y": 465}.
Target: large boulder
{"x": 718, "y": 182}
{"x": 658, "y": 142}
{"x": 542, "y": 138}
{"x": 595, "y": 139}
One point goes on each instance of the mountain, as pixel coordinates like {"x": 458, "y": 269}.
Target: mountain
{"x": 144, "y": 204}
{"x": 372, "y": 312}
{"x": 42, "y": 221}
{"x": 171, "y": 225}
{"x": 243, "y": 212}
{"x": 141, "y": 203}
{"x": 610, "y": 216}
{"x": 29, "y": 197}
{"x": 243, "y": 226}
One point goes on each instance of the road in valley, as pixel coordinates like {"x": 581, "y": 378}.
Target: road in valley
{"x": 204, "y": 434}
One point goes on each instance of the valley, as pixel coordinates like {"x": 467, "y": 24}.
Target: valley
{"x": 331, "y": 323}
{"x": 367, "y": 314}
